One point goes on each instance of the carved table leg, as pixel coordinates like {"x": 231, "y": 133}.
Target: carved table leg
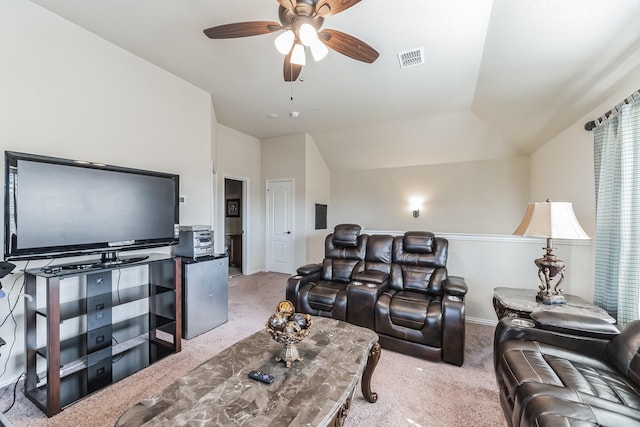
{"x": 341, "y": 416}
{"x": 372, "y": 362}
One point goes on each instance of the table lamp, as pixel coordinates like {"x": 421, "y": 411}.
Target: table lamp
{"x": 551, "y": 220}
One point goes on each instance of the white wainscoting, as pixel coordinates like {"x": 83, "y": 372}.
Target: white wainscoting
{"x": 487, "y": 261}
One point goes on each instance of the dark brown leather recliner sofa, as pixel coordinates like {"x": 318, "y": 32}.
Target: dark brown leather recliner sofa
{"x": 567, "y": 370}
{"x": 397, "y": 286}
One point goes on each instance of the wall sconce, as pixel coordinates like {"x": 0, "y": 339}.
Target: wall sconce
{"x": 415, "y": 204}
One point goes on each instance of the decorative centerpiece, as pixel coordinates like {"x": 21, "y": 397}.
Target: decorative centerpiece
{"x": 289, "y": 328}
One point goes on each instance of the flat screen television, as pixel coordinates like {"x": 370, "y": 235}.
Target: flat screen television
{"x": 58, "y": 207}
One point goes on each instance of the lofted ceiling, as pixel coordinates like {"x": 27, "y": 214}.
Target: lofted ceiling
{"x": 500, "y": 78}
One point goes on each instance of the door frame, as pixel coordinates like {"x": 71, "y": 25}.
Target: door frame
{"x": 244, "y": 209}
{"x": 268, "y": 182}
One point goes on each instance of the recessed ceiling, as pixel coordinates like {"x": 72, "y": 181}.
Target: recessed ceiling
{"x": 509, "y": 73}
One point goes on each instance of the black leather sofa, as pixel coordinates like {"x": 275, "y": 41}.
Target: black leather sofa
{"x": 567, "y": 370}
{"x": 397, "y": 286}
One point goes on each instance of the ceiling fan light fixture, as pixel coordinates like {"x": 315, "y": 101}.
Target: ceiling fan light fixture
{"x": 284, "y": 42}
{"x": 307, "y": 34}
{"x": 297, "y": 55}
{"x": 318, "y": 50}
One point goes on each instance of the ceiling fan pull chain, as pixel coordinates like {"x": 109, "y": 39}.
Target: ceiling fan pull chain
{"x": 291, "y": 87}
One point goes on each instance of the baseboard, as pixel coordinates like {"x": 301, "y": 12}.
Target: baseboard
{"x": 9, "y": 383}
{"x": 480, "y": 321}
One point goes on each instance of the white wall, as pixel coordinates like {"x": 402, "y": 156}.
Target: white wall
{"x": 284, "y": 158}
{"x": 490, "y": 261}
{"x": 318, "y": 180}
{"x": 239, "y": 157}
{"x": 487, "y": 196}
{"x": 563, "y": 170}
{"x": 67, "y": 93}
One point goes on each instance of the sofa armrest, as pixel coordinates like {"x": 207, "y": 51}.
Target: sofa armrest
{"x": 455, "y": 285}
{"x": 511, "y": 328}
{"x": 371, "y": 276}
{"x": 309, "y": 269}
{"x": 574, "y": 324}
{"x": 294, "y": 283}
{"x": 362, "y": 297}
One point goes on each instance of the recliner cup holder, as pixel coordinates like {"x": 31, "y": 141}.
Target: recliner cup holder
{"x": 523, "y": 323}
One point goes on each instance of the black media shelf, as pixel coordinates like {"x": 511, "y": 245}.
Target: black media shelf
{"x": 62, "y": 371}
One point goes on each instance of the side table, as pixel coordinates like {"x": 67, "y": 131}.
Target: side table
{"x": 514, "y": 302}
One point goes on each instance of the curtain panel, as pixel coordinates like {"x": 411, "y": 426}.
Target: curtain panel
{"x": 617, "y": 240}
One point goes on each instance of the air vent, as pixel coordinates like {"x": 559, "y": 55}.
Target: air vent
{"x": 411, "y": 57}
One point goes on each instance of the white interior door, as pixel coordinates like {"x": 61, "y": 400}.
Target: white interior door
{"x": 280, "y": 226}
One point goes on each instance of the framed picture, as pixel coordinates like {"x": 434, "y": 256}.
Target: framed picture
{"x": 233, "y": 207}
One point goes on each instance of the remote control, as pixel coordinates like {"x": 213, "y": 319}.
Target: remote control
{"x": 257, "y": 375}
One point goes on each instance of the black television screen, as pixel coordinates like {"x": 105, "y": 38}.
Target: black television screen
{"x": 57, "y": 207}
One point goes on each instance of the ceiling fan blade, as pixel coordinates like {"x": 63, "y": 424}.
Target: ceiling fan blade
{"x": 287, "y": 4}
{"x": 242, "y": 29}
{"x": 332, "y": 7}
{"x": 348, "y": 45}
{"x": 291, "y": 71}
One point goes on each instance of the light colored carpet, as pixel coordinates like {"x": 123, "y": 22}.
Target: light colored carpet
{"x": 411, "y": 392}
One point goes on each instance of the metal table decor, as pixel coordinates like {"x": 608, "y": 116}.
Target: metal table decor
{"x": 289, "y": 328}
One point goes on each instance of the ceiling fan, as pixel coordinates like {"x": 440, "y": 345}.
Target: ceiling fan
{"x": 301, "y": 21}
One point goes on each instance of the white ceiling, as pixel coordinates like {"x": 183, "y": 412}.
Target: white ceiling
{"x": 500, "y": 77}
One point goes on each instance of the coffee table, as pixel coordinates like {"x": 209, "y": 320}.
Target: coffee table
{"x": 315, "y": 391}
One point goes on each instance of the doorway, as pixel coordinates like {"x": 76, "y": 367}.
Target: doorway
{"x": 233, "y": 224}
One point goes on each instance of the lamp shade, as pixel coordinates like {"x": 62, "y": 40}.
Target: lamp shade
{"x": 555, "y": 220}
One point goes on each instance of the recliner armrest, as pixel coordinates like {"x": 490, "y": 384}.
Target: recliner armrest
{"x": 511, "y": 328}
{"x": 455, "y": 285}
{"x": 309, "y": 269}
{"x": 371, "y": 276}
{"x": 574, "y": 324}
{"x": 306, "y": 274}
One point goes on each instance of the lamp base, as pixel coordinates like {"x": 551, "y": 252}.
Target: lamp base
{"x": 550, "y": 299}
{"x": 550, "y": 268}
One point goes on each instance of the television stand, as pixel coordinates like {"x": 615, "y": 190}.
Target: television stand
{"x": 66, "y": 363}
{"x": 116, "y": 260}
{"x": 103, "y": 262}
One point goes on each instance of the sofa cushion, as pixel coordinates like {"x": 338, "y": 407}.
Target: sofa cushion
{"x": 378, "y": 255}
{"x": 543, "y": 410}
{"x": 419, "y": 242}
{"x": 331, "y": 250}
{"x": 411, "y": 316}
{"x": 323, "y": 295}
{"x": 409, "y": 309}
{"x": 346, "y": 235}
{"x": 417, "y": 278}
{"x": 339, "y": 270}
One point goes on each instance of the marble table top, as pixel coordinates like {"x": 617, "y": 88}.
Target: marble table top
{"x": 309, "y": 393}
{"x": 524, "y": 301}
